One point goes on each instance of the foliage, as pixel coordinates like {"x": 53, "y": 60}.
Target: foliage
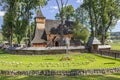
{"x": 82, "y": 15}
{"x": 9, "y": 19}
{"x": 61, "y": 4}
{"x": 102, "y": 16}
{"x": 68, "y": 13}
{"x": 80, "y": 32}
{"x": 20, "y": 30}
{"x": 115, "y": 35}
{"x": 18, "y": 16}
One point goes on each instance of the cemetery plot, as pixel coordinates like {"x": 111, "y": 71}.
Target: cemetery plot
{"x": 53, "y": 62}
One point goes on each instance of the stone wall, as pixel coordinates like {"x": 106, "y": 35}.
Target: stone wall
{"x": 42, "y": 52}
{"x": 48, "y": 50}
{"x": 64, "y": 73}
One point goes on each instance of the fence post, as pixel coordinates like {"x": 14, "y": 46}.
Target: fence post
{"x": 115, "y": 55}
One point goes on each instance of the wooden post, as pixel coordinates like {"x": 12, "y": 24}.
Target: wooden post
{"x": 115, "y": 55}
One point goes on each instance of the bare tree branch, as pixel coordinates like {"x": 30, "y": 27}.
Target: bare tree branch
{"x": 58, "y": 5}
{"x": 66, "y": 3}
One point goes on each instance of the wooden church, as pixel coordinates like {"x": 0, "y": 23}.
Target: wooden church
{"x": 47, "y": 32}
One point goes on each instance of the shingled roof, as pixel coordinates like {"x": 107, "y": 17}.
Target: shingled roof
{"x": 93, "y": 41}
{"x": 40, "y": 36}
{"x": 39, "y": 14}
{"x": 53, "y": 27}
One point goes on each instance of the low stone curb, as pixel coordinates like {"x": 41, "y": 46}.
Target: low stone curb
{"x": 63, "y": 72}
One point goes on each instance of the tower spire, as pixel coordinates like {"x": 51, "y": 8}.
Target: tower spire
{"x": 40, "y": 14}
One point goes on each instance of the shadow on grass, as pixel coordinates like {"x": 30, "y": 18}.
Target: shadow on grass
{"x": 117, "y": 74}
{"x": 48, "y": 59}
{"x": 3, "y": 52}
{"x": 89, "y": 77}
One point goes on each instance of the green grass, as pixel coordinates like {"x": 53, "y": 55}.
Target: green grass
{"x": 87, "y": 77}
{"x": 52, "y": 62}
{"x": 115, "y": 45}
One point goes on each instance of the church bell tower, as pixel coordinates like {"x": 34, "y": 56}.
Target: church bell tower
{"x": 40, "y": 37}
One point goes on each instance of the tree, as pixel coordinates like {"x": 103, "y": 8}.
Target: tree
{"x": 61, "y": 4}
{"x": 18, "y": 16}
{"x": 9, "y": 19}
{"x": 20, "y": 30}
{"x": 68, "y": 13}
{"x": 102, "y": 14}
{"x": 29, "y": 5}
{"x": 5, "y": 28}
{"x": 80, "y": 32}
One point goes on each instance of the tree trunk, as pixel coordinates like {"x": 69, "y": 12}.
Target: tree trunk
{"x": 18, "y": 40}
{"x": 91, "y": 22}
{"x": 11, "y": 37}
{"x": 103, "y": 37}
{"x": 61, "y": 31}
{"x": 28, "y": 25}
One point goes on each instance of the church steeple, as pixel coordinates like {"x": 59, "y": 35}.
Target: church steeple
{"x": 39, "y": 18}
{"x": 40, "y": 37}
{"x": 40, "y": 14}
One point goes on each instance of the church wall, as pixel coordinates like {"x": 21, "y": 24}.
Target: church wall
{"x": 69, "y": 36}
{"x": 50, "y": 36}
{"x": 39, "y": 45}
{"x": 40, "y": 20}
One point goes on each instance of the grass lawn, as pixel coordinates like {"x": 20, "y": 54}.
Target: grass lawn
{"x": 88, "y": 77}
{"x": 52, "y": 62}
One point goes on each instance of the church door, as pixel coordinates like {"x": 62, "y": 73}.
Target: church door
{"x": 56, "y": 43}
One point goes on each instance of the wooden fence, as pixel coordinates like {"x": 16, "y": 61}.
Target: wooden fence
{"x": 111, "y": 53}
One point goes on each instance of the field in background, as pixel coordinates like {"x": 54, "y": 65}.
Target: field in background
{"x": 115, "y": 45}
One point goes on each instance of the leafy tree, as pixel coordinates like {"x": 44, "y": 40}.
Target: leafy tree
{"x": 20, "y": 30}
{"x": 68, "y": 13}
{"x": 61, "y": 4}
{"x": 9, "y": 19}
{"x": 80, "y": 32}
{"x": 81, "y": 15}
{"x": 27, "y": 7}
{"x": 103, "y": 15}
{"x": 18, "y": 16}
{"x": 5, "y": 29}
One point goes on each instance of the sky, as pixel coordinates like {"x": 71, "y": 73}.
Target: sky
{"x": 51, "y": 9}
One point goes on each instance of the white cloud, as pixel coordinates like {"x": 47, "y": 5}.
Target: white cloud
{"x": 2, "y": 13}
{"x": 118, "y": 21}
{"x": 117, "y": 27}
{"x": 79, "y": 1}
{"x": 54, "y": 7}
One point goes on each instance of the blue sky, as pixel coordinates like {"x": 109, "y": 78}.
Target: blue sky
{"x": 51, "y": 9}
